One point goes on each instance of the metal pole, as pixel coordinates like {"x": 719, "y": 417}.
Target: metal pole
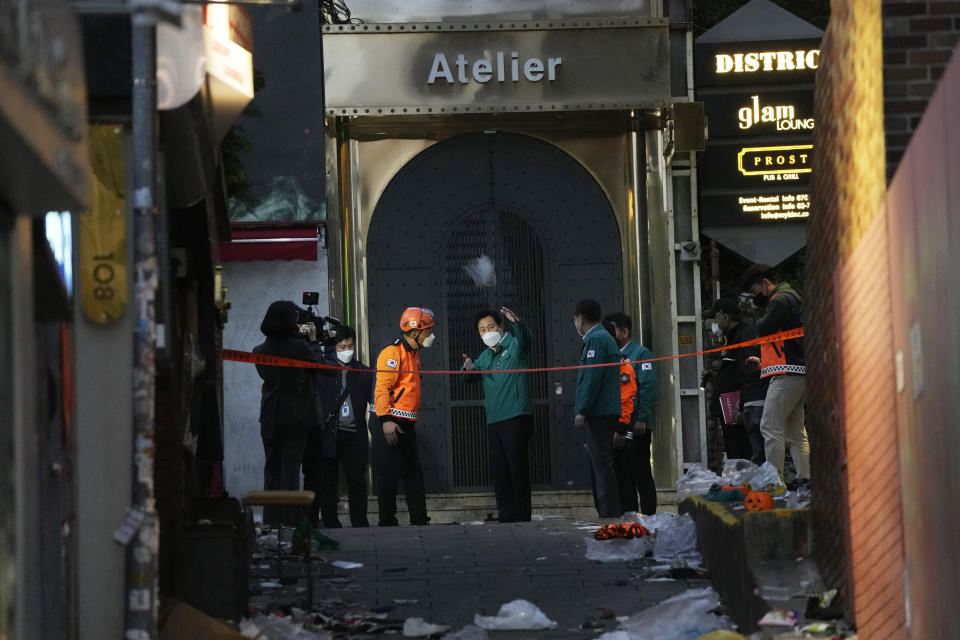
{"x": 142, "y": 552}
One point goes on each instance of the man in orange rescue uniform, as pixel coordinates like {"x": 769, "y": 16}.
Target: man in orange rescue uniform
{"x": 396, "y": 402}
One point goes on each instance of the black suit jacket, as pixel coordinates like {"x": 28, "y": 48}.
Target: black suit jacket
{"x": 360, "y": 395}
{"x": 287, "y": 400}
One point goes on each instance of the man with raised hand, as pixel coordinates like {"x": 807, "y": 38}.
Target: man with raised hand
{"x": 508, "y": 404}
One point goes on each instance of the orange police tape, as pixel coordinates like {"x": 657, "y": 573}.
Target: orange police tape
{"x": 255, "y": 358}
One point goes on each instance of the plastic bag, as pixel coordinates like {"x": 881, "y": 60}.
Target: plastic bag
{"x": 685, "y": 616}
{"x": 420, "y": 628}
{"x": 736, "y": 471}
{"x": 766, "y": 478}
{"x": 469, "y": 632}
{"x": 617, "y": 549}
{"x": 696, "y": 481}
{"x": 657, "y": 520}
{"x": 515, "y": 615}
{"x": 677, "y": 539}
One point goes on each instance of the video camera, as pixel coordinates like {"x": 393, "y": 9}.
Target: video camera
{"x": 308, "y": 316}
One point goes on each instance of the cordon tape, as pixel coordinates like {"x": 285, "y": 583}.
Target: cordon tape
{"x": 232, "y": 355}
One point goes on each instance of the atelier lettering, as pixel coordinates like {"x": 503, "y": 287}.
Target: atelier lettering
{"x": 483, "y": 71}
{"x": 758, "y": 61}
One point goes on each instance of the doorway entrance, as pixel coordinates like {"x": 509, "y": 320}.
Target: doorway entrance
{"x": 480, "y": 221}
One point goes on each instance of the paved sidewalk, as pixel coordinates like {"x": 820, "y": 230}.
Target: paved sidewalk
{"x": 454, "y": 571}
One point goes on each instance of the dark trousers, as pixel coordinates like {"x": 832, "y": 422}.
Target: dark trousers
{"x": 735, "y": 441}
{"x": 606, "y": 497}
{"x": 354, "y": 463}
{"x": 390, "y": 465}
{"x": 509, "y": 443}
{"x": 634, "y": 476}
{"x": 751, "y": 422}
{"x": 281, "y": 471}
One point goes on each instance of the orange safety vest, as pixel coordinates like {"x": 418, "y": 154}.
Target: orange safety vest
{"x": 628, "y": 391}
{"x": 783, "y": 356}
{"x": 397, "y": 390}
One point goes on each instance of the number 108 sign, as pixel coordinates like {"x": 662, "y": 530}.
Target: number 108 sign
{"x": 103, "y": 237}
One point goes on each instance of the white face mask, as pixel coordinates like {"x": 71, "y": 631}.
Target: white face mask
{"x": 491, "y": 338}
{"x": 345, "y": 356}
{"x": 715, "y": 329}
{"x": 429, "y": 340}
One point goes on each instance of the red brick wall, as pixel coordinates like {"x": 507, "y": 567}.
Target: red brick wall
{"x": 847, "y": 189}
{"x": 868, "y": 413}
{"x": 923, "y": 208}
{"x": 918, "y": 38}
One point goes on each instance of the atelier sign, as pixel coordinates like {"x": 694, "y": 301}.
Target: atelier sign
{"x": 451, "y": 70}
{"x": 484, "y": 70}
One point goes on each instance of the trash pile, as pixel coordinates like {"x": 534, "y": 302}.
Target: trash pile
{"x": 758, "y": 488}
{"x": 664, "y": 536}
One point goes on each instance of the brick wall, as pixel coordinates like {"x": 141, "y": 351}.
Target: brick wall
{"x": 848, "y": 186}
{"x": 918, "y": 39}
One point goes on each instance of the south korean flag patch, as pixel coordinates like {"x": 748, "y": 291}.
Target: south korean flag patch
{"x": 646, "y": 366}
{"x": 391, "y": 363}
{"x": 591, "y": 353}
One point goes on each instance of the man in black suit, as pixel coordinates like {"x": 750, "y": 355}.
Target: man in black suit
{"x": 341, "y": 439}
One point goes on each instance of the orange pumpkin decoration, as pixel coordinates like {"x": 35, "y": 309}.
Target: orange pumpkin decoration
{"x": 758, "y": 501}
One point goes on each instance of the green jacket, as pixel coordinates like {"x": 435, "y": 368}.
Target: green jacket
{"x": 506, "y": 395}
{"x": 646, "y": 400}
{"x": 598, "y": 388}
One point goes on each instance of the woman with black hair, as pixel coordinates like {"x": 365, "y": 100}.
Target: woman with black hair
{"x": 288, "y": 408}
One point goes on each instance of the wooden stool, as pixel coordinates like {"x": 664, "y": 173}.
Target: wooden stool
{"x": 301, "y": 499}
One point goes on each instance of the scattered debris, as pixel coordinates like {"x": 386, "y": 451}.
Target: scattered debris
{"x": 278, "y": 628}
{"x": 676, "y": 539}
{"x": 419, "y": 628}
{"x": 779, "y": 618}
{"x": 469, "y": 632}
{"x": 621, "y": 530}
{"x": 687, "y": 615}
{"x": 515, "y": 615}
{"x": 617, "y": 550}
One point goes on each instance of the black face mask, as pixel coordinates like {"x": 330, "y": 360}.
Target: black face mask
{"x": 760, "y": 300}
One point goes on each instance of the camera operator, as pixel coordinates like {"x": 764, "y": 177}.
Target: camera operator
{"x": 288, "y": 406}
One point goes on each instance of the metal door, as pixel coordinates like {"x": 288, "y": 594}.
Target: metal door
{"x": 551, "y": 235}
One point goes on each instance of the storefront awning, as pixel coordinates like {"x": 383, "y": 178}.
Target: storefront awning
{"x": 271, "y": 243}
{"x": 763, "y": 244}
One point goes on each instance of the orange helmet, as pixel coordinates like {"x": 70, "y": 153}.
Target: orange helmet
{"x": 416, "y": 318}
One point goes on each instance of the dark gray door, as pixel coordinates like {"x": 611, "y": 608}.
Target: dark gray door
{"x": 551, "y": 236}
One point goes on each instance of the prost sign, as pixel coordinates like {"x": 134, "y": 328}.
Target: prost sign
{"x": 758, "y": 98}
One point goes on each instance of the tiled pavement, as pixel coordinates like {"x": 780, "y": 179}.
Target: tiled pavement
{"x": 454, "y": 571}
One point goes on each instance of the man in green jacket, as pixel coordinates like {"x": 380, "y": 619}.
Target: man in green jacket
{"x": 508, "y": 403}
{"x": 598, "y": 404}
{"x": 633, "y": 465}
